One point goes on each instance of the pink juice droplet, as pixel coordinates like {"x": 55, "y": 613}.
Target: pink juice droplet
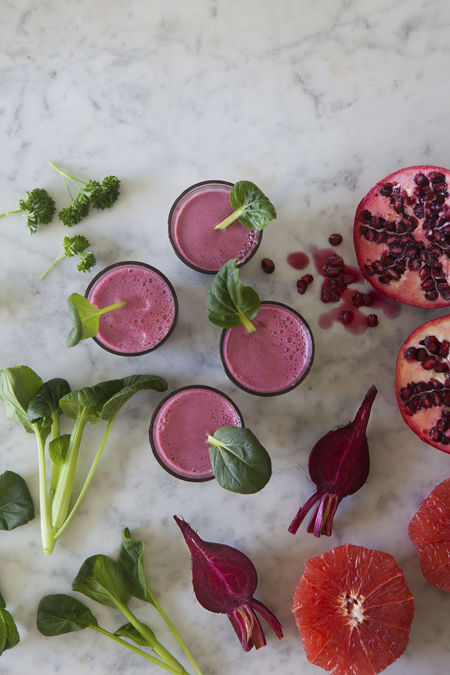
{"x": 298, "y": 260}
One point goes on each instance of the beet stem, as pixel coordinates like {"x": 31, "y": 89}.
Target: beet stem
{"x": 303, "y": 510}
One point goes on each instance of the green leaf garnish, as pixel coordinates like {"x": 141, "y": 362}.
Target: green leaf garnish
{"x": 85, "y": 317}
{"x": 240, "y": 463}
{"x": 251, "y": 207}
{"x": 16, "y": 505}
{"x": 18, "y": 385}
{"x": 76, "y": 245}
{"x": 39, "y": 209}
{"x": 229, "y": 302}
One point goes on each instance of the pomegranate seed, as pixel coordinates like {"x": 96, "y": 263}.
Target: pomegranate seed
{"x": 346, "y": 318}
{"x": 421, "y": 354}
{"x": 432, "y": 344}
{"x": 307, "y": 278}
{"x": 410, "y": 354}
{"x": 357, "y": 299}
{"x": 267, "y": 265}
{"x": 301, "y": 286}
{"x": 372, "y": 320}
{"x": 335, "y": 239}
{"x": 368, "y": 299}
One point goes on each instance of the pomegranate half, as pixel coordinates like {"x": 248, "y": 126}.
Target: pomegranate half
{"x": 422, "y": 382}
{"x": 402, "y": 236}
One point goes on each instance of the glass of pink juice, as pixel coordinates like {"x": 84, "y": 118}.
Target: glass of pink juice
{"x": 192, "y": 220}
{"x": 149, "y": 316}
{"x": 275, "y": 358}
{"x": 180, "y": 426}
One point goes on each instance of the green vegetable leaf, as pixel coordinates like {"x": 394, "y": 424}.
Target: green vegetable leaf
{"x": 85, "y": 317}
{"x": 251, "y": 207}
{"x": 2, "y": 602}
{"x": 90, "y": 398}
{"x": 229, "y": 302}
{"x": 16, "y": 505}
{"x": 130, "y": 386}
{"x": 18, "y": 385}
{"x": 45, "y": 403}
{"x": 9, "y": 635}
{"x": 59, "y": 613}
{"x": 131, "y": 560}
{"x": 58, "y": 447}
{"x": 102, "y": 579}
{"x": 239, "y": 461}
{"x": 130, "y": 632}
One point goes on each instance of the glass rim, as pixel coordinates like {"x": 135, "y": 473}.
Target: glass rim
{"x": 124, "y": 263}
{"x": 292, "y": 386}
{"x": 156, "y": 412}
{"x": 177, "y": 251}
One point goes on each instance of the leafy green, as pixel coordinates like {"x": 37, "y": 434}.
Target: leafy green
{"x": 16, "y": 504}
{"x": 229, "y": 302}
{"x": 101, "y": 578}
{"x": 18, "y": 385}
{"x": 85, "y": 317}
{"x": 9, "y": 635}
{"x": 76, "y": 245}
{"x": 130, "y": 386}
{"x": 130, "y": 632}
{"x": 131, "y": 560}
{"x": 45, "y": 402}
{"x": 59, "y": 613}
{"x": 58, "y": 448}
{"x": 89, "y": 400}
{"x": 39, "y": 209}
{"x": 89, "y": 193}
{"x": 240, "y": 463}
{"x": 251, "y": 207}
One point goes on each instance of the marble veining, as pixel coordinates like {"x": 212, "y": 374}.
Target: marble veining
{"x": 315, "y": 102}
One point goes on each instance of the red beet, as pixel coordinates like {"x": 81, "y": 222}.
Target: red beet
{"x": 339, "y": 465}
{"x": 422, "y": 382}
{"x": 224, "y": 581}
{"x": 402, "y": 236}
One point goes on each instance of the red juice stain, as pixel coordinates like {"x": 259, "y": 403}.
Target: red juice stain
{"x": 298, "y": 260}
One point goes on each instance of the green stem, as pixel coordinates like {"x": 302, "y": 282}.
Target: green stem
{"x": 46, "y": 536}
{"x": 109, "y": 308}
{"x": 174, "y": 632}
{"x": 245, "y": 321}
{"x": 55, "y": 467}
{"x": 153, "y": 643}
{"x": 134, "y": 649}
{"x": 10, "y": 213}
{"x": 66, "y": 479}
{"x": 231, "y": 218}
{"x": 67, "y": 175}
{"x": 87, "y": 482}
{"x": 60, "y": 257}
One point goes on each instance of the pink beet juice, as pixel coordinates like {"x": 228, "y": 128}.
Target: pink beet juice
{"x": 275, "y": 358}
{"x": 181, "y": 424}
{"x": 192, "y": 220}
{"x": 150, "y": 313}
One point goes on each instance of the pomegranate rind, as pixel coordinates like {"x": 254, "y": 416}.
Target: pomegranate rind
{"x": 378, "y": 631}
{"x": 407, "y": 289}
{"x": 429, "y": 531}
{"x": 407, "y": 372}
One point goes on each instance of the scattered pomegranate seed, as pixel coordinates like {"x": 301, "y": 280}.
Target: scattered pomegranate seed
{"x": 301, "y": 286}
{"x": 308, "y": 279}
{"x": 335, "y": 239}
{"x": 267, "y": 265}
{"x": 346, "y": 318}
{"x": 372, "y": 320}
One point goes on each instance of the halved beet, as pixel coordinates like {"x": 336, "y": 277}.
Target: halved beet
{"x": 402, "y": 236}
{"x": 422, "y": 382}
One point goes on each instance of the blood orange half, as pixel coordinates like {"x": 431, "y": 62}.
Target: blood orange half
{"x": 429, "y": 531}
{"x": 353, "y": 610}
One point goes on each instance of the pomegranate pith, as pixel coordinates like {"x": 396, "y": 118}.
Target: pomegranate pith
{"x": 402, "y": 236}
{"x": 422, "y": 382}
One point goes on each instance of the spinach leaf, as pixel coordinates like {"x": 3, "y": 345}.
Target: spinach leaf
{"x": 18, "y": 385}
{"x": 58, "y": 447}
{"x": 85, "y": 317}
{"x": 130, "y": 386}
{"x": 130, "y": 632}
{"x": 229, "y": 302}
{"x": 239, "y": 461}
{"x": 45, "y": 403}
{"x": 131, "y": 560}
{"x": 59, "y": 613}
{"x": 16, "y": 505}
{"x": 101, "y": 578}
{"x": 251, "y": 207}
{"x": 9, "y": 635}
{"x": 91, "y": 399}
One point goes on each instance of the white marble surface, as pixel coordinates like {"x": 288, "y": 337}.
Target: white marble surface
{"x": 314, "y": 101}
